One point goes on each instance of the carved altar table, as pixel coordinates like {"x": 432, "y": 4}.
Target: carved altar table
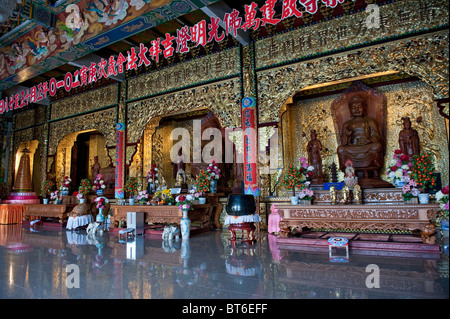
{"x": 11, "y": 213}
{"x": 59, "y": 211}
{"x": 166, "y": 214}
{"x": 380, "y": 217}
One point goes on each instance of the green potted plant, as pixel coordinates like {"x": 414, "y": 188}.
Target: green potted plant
{"x": 131, "y": 188}
{"x": 84, "y": 189}
{"x": 292, "y": 180}
{"x": 422, "y": 171}
{"x": 46, "y": 189}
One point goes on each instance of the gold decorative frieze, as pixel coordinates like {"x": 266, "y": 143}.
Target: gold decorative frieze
{"x": 395, "y": 19}
{"x": 207, "y": 68}
{"x": 33, "y": 116}
{"x": 85, "y": 102}
{"x": 425, "y": 57}
{"x": 103, "y": 121}
{"x": 223, "y": 98}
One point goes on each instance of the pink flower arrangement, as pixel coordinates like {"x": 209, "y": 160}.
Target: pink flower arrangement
{"x": 305, "y": 170}
{"x": 100, "y": 202}
{"x": 98, "y": 183}
{"x": 399, "y": 166}
{"x": 306, "y": 194}
{"x": 410, "y": 189}
{"x": 442, "y": 199}
{"x": 65, "y": 185}
{"x": 143, "y": 197}
{"x": 55, "y": 196}
{"x": 184, "y": 202}
{"x": 151, "y": 176}
{"x": 213, "y": 171}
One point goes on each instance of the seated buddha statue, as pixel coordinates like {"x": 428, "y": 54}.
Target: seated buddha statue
{"x": 361, "y": 140}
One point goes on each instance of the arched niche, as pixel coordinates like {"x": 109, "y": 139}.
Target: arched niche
{"x": 75, "y": 156}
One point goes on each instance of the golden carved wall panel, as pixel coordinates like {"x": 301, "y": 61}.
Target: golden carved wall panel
{"x": 397, "y": 18}
{"x": 207, "y": 68}
{"x": 413, "y": 99}
{"x": 103, "y": 121}
{"x": 425, "y": 57}
{"x": 223, "y": 98}
{"x": 30, "y": 117}
{"x": 85, "y": 102}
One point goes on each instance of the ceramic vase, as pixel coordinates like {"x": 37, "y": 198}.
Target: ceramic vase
{"x": 65, "y": 193}
{"x": 45, "y": 201}
{"x": 100, "y": 217}
{"x": 185, "y": 225}
{"x": 399, "y": 183}
{"x": 424, "y": 198}
{"x": 202, "y": 200}
{"x": 131, "y": 201}
{"x": 82, "y": 200}
{"x": 213, "y": 186}
{"x": 294, "y": 200}
{"x": 99, "y": 192}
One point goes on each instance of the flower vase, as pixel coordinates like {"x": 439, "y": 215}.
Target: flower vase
{"x": 45, "y": 201}
{"x": 424, "y": 198}
{"x": 99, "y": 192}
{"x": 185, "y": 225}
{"x": 149, "y": 188}
{"x": 82, "y": 200}
{"x": 131, "y": 201}
{"x": 294, "y": 200}
{"x": 202, "y": 200}
{"x": 213, "y": 186}
{"x": 65, "y": 193}
{"x": 100, "y": 217}
{"x": 399, "y": 183}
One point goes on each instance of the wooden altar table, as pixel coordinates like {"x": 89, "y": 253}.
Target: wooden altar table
{"x": 381, "y": 217}
{"x": 166, "y": 214}
{"x": 59, "y": 211}
{"x": 11, "y": 213}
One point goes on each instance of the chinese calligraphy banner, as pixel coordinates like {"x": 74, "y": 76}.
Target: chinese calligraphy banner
{"x": 120, "y": 153}
{"x": 249, "y": 124}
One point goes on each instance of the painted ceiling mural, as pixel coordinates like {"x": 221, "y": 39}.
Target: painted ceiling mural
{"x": 82, "y": 28}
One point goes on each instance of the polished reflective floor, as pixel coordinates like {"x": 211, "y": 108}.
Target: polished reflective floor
{"x": 55, "y": 263}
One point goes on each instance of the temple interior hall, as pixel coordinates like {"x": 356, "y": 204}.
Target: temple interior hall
{"x": 216, "y": 150}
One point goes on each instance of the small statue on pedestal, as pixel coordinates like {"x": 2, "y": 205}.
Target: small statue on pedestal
{"x": 350, "y": 180}
{"x": 357, "y": 194}
{"x": 333, "y": 195}
{"x": 408, "y": 138}
{"x": 345, "y": 195}
{"x": 314, "y": 148}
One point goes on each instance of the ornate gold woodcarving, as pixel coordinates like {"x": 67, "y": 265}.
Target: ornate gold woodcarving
{"x": 398, "y": 18}
{"x": 30, "y": 117}
{"x": 425, "y": 57}
{"x": 375, "y": 217}
{"x": 84, "y": 102}
{"x": 210, "y": 67}
{"x": 103, "y": 121}
{"x": 223, "y": 98}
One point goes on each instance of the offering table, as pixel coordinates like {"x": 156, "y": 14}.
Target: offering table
{"x": 166, "y": 214}
{"x": 59, "y": 211}
{"x": 378, "y": 217}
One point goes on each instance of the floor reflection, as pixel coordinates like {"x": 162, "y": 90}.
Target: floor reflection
{"x": 35, "y": 263}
